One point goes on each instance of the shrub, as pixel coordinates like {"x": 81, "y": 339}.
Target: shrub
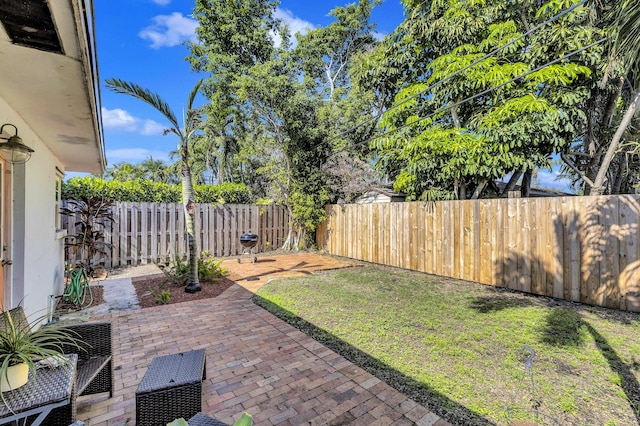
{"x": 91, "y": 216}
{"x": 144, "y": 190}
{"x": 209, "y": 269}
{"x": 163, "y": 297}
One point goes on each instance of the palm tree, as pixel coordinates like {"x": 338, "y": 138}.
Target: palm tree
{"x": 155, "y": 170}
{"x": 123, "y": 171}
{"x": 625, "y": 51}
{"x": 186, "y": 133}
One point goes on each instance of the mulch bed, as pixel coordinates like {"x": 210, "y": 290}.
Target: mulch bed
{"x": 146, "y": 288}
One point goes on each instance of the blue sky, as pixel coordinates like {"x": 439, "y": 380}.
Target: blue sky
{"x": 142, "y": 41}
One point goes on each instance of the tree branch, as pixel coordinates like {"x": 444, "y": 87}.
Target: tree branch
{"x": 570, "y": 164}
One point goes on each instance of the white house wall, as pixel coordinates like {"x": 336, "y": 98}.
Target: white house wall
{"x": 36, "y": 249}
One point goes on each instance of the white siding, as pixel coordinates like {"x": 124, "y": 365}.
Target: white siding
{"x": 35, "y": 248}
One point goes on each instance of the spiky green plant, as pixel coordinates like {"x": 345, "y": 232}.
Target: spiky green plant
{"x": 20, "y": 344}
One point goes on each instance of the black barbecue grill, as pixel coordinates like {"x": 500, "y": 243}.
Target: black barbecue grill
{"x": 248, "y": 241}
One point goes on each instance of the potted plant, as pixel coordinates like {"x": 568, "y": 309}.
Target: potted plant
{"x": 245, "y": 420}
{"x": 21, "y": 348}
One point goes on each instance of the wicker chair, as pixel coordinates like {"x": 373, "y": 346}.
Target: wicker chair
{"x": 95, "y": 363}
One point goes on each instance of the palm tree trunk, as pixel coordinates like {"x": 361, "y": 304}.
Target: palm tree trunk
{"x": 598, "y": 183}
{"x": 189, "y": 214}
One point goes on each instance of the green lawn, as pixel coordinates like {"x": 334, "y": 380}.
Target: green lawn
{"x": 457, "y": 347}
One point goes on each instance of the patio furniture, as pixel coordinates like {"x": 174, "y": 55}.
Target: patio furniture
{"x": 94, "y": 362}
{"x": 52, "y": 389}
{"x": 171, "y": 388}
{"x": 202, "y": 419}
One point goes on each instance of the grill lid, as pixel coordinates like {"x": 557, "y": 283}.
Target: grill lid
{"x": 248, "y": 236}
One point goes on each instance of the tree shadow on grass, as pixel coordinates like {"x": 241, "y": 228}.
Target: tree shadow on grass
{"x": 419, "y": 392}
{"x": 564, "y": 327}
{"x": 499, "y": 300}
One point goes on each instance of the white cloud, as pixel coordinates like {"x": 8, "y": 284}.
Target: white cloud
{"x": 134, "y": 155}
{"x": 169, "y": 30}
{"x": 295, "y": 24}
{"x": 161, "y": 2}
{"x": 119, "y": 119}
{"x": 152, "y": 128}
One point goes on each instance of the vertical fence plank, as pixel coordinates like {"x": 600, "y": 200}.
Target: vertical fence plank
{"x": 466, "y": 241}
{"x": 524, "y": 264}
{"x": 144, "y": 236}
{"x": 544, "y": 246}
{"x": 211, "y": 229}
{"x": 442, "y": 267}
{"x": 182, "y": 231}
{"x": 483, "y": 229}
{"x": 173, "y": 226}
{"x": 124, "y": 232}
{"x": 555, "y": 240}
{"x": 591, "y": 237}
{"x": 115, "y": 236}
{"x": 611, "y": 264}
{"x": 226, "y": 239}
{"x": 629, "y": 218}
{"x": 421, "y": 237}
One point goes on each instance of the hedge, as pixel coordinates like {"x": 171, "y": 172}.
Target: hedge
{"x": 152, "y": 192}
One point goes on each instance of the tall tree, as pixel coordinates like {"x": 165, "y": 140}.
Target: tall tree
{"x": 280, "y": 96}
{"x": 124, "y": 171}
{"x": 156, "y": 170}
{"x": 469, "y": 111}
{"x": 185, "y": 133}
{"x": 626, "y": 51}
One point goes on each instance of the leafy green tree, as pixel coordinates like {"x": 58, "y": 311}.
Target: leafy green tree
{"x": 326, "y": 53}
{"x": 124, "y": 171}
{"x": 185, "y": 133}
{"x": 279, "y": 102}
{"x": 157, "y": 171}
{"x": 468, "y": 111}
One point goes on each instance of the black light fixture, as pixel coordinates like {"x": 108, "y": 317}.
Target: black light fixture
{"x": 13, "y": 150}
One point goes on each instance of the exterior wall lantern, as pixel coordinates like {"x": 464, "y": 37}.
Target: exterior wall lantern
{"x": 13, "y": 150}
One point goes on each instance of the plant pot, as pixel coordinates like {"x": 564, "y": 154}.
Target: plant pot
{"x": 18, "y": 375}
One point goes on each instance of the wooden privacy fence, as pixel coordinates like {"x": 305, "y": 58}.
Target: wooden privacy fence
{"x": 155, "y": 232}
{"x": 583, "y": 249}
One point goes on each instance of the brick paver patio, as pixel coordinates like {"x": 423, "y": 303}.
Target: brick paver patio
{"x": 252, "y": 276}
{"x": 255, "y": 363}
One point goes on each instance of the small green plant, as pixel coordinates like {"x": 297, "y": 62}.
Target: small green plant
{"x": 20, "y": 344}
{"x": 209, "y": 269}
{"x": 245, "y": 420}
{"x": 163, "y": 297}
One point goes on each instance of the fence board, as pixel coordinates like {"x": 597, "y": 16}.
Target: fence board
{"x": 583, "y": 249}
